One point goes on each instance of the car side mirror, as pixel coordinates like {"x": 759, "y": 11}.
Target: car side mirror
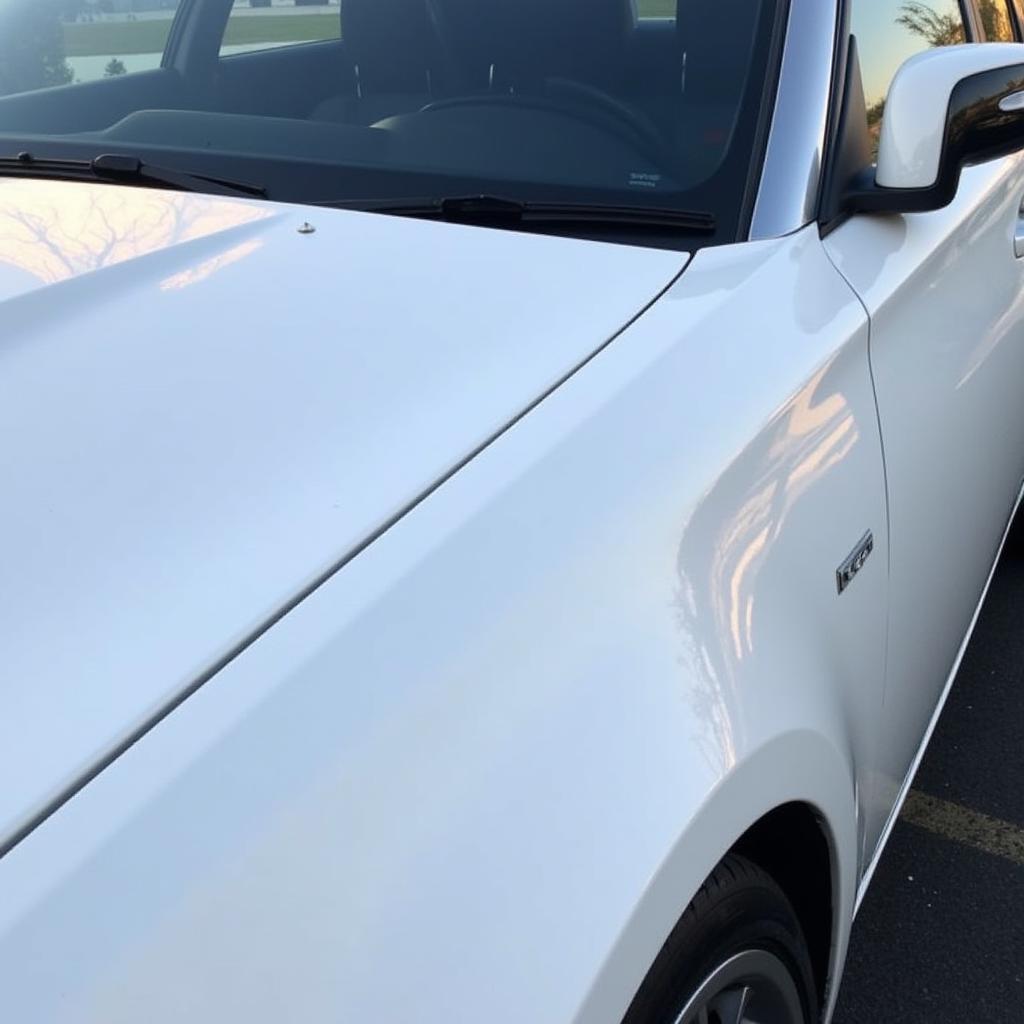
{"x": 946, "y": 108}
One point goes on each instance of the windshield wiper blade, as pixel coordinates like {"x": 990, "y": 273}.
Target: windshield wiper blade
{"x": 498, "y": 210}
{"x": 128, "y": 170}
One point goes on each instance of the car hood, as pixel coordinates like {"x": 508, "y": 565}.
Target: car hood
{"x": 207, "y": 405}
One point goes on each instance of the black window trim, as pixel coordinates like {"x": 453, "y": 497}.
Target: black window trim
{"x": 972, "y": 21}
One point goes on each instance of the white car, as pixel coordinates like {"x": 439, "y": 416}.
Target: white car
{"x": 495, "y": 493}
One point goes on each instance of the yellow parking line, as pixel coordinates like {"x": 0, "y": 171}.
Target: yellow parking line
{"x": 962, "y": 825}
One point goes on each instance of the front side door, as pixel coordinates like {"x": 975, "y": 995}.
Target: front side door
{"x": 945, "y": 295}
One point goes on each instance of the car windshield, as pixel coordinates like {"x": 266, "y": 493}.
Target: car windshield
{"x": 632, "y": 104}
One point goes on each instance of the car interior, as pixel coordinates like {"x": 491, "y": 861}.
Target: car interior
{"x": 574, "y": 91}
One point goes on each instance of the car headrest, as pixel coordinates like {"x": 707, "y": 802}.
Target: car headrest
{"x": 394, "y": 44}
{"x": 526, "y": 41}
{"x": 715, "y": 38}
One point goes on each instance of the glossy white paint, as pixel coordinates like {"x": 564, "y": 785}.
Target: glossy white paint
{"x": 937, "y": 711}
{"x": 945, "y": 293}
{"x": 568, "y": 623}
{"x": 204, "y": 411}
{"x": 489, "y": 761}
{"x": 916, "y": 107}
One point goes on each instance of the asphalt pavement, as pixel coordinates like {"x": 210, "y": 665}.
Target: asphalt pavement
{"x": 940, "y": 936}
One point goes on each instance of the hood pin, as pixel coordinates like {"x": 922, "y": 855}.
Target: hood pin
{"x": 307, "y": 229}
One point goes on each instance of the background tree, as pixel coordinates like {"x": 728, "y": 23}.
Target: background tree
{"x": 32, "y": 54}
{"x": 936, "y": 29}
{"x": 114, "y": 68}
{"x": 71, "y": 9}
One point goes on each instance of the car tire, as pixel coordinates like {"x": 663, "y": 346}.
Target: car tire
{"x": 737, "y": 954}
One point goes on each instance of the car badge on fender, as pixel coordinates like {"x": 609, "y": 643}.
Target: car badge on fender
{"x": 854, "y": 562}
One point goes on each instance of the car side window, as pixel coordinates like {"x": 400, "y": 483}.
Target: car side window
{"x": 996, "y": 21}
{"x": 890, "y": 31}
{"x": 47, "y": 42}
{"x": 646, "y": 9}
{"x": 260, "y": 25}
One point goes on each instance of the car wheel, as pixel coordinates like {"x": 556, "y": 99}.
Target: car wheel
{"x": 737, "y": 956}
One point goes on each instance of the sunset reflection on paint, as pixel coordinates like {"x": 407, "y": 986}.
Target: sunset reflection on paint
{"x": 52, "y": 235}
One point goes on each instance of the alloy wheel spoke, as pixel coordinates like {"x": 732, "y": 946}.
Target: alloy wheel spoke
{"x": 741, "y": 1008}
{"x": 752, "y": 982}
{"x": 731, "y": 1006}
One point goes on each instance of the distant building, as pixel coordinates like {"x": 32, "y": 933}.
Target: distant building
{"x": 138, "y": 6}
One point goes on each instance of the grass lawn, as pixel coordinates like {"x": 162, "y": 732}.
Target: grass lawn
{"x": 113, "y": 39}
{"x": 657, "y": 8}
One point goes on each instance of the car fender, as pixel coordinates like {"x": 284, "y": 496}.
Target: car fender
{"x": 766, "y": 779}
{"x": 504, "y": 744}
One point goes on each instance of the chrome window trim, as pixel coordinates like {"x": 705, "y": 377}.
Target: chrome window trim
{"x": 787, "y": 197}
